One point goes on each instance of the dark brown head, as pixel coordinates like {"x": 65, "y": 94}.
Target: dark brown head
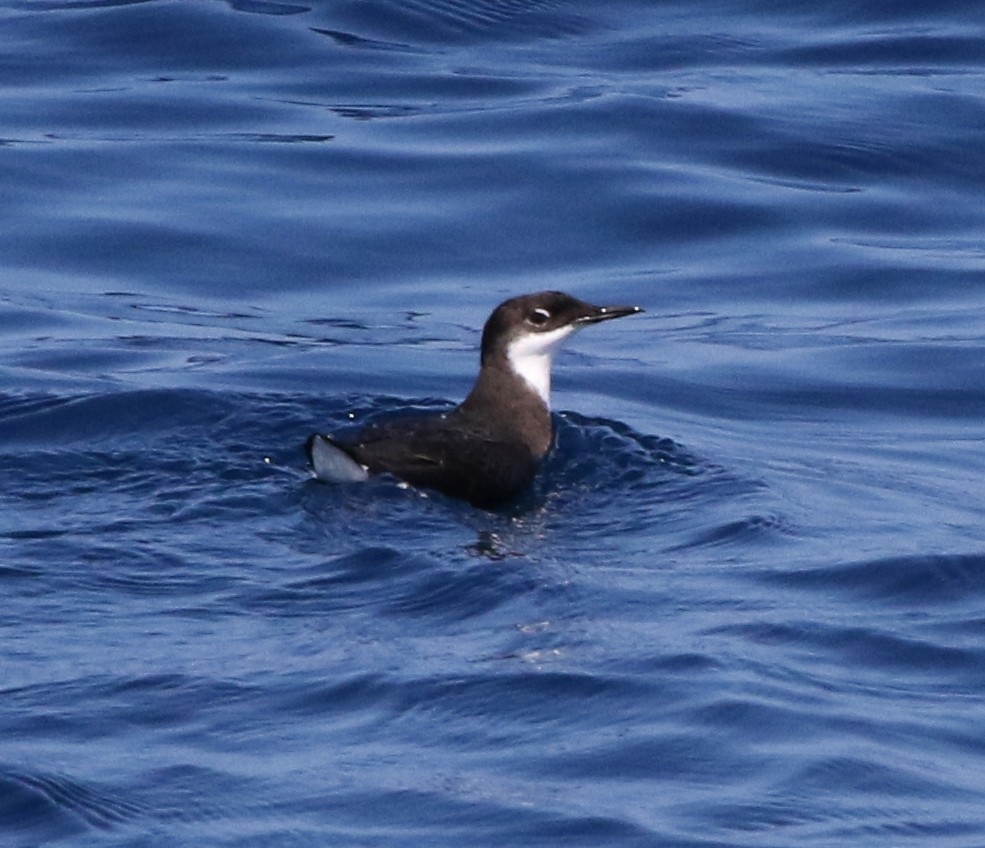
{"x": 550, "y": 316}
{"x": 525, "y": 331}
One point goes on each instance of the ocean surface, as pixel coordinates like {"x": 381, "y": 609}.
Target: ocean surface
{"x": 744, "y": 602}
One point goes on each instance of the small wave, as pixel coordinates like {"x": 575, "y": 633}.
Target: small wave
{"x": 394, "y": 584}
{"x": 944, "y": 579}
{"x": 886, "y": 50}
{"x": 431, "y": 20}
{"x": 905, "y": 658}
{"x": 56, "y": 421}
{"x": 348, "y": 39}
{"x": 68, "y": 5}
{"x": 754, "y": 529}
{"x": 603, "y": 478}
{"x": 42, "y": 806}
{"x": 655, "y": 758}
{"x": 267, "y": 7}
{"x": 608, "y": 459}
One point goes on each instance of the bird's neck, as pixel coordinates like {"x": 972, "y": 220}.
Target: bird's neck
{"x": 534, "y": 368}
{"x": 514, "y": 402}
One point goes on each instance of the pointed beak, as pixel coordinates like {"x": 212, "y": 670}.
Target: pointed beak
{"x": 607, "y": 313}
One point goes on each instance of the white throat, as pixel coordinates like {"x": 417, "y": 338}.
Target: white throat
{"x": 531, "y": 355}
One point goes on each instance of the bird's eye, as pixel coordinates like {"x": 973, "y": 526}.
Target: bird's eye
{"x": 539, "y": 317}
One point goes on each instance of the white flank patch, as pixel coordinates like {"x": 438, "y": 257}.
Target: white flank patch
{"x": 531, "y": 356}
{"x": 333, "y": 465}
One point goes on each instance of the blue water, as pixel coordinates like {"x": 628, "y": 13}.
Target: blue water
{"x": 744, "y": 602}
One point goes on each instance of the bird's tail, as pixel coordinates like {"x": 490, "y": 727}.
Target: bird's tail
{"x": 330, "y": 463}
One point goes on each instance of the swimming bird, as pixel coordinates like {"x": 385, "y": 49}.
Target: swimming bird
{"x": 488, "y": 448}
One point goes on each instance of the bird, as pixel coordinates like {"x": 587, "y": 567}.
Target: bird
{"x": 486, "y": 450}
